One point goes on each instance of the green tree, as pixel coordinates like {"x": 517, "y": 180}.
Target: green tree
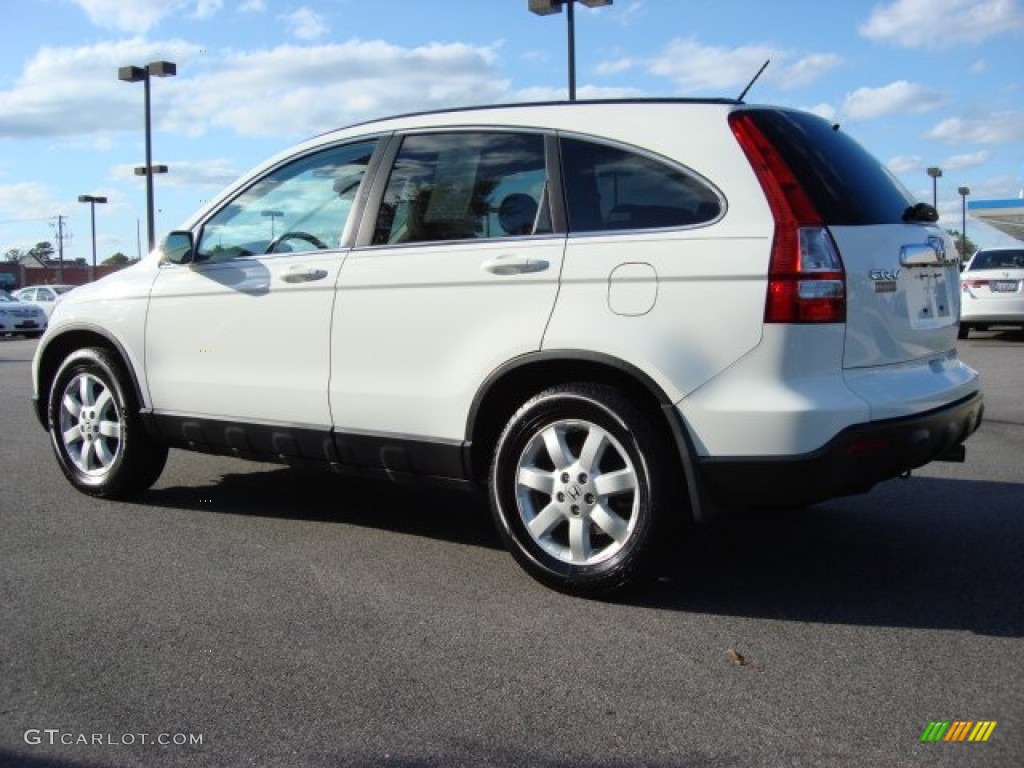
{"x": 42, "y": 250}
{"x": 14, "y": 254}
{"x": 117, "y": 260}
{"x": 964, "y": 245}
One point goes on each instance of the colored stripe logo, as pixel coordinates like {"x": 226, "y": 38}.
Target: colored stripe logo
{"x": 958, "y": 730}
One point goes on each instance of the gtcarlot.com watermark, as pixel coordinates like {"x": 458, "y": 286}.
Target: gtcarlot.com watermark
{"x": 55, "y": 736}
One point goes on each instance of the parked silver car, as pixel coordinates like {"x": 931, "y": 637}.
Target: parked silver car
{"x": 17, "y": 317}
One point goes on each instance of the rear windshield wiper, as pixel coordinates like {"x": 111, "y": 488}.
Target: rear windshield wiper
{"x": 922, "y": 212}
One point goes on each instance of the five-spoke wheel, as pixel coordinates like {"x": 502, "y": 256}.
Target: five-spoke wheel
{"x": 580, "y": 488}
{"x": 95, "y": 429}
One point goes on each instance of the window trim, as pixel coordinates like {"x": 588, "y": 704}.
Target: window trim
{"x": 723, "y": 206}
{"x": 375, "y": 198}
{"x": 355, "y": 214}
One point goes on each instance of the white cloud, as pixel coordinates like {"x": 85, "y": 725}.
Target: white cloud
{"x": 139, "y": 16}
{"x": 305, "y": 24}
{"x": 321, "y": 87}
{"x": 902, "y": 164}
{"x": 941, "y": 23}
{"x": 898, "y": 98}
{"x": 963, "y": 162}
{"x": 74, "y": 92}
{"x": 824, "y": 111}
{"x": 28, "y": 200}
{"x": 207, "y": 8}
{"x": 583, "y": 92}
{"x": 616, "y": 66}
{"x": 998, "y": 128}
{"x": 712, "y": 69}
{"x": 252, "y": 6}
{"x": 216, "y": 173}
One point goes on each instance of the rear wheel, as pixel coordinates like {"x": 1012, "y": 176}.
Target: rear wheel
{"x": 95, "y": 428}
{"x": 581, "y": 489}
{"x": 963, "y": 331}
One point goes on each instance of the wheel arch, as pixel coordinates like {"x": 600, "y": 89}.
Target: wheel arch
{"x": 512, "y": 384}
{"x": 59, "y": 347}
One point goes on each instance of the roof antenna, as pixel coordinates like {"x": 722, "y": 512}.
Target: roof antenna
{"x": 754, "y": 80}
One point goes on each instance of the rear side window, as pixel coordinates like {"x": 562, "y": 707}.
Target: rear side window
{"x": 846, "y": 183}
{"x": 998, "y": 260}
{"x": 610, "y": 188}
{"x": 461, "y": 186}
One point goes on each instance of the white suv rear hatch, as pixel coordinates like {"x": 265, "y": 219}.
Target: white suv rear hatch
{"x": 902, "y": 281}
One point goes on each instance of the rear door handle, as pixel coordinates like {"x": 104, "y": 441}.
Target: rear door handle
{"x": 303, "y": 275}
{"x": 509, "y": 264}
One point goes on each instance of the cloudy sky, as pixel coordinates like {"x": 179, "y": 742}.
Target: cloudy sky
{"x": 919, "y": 82}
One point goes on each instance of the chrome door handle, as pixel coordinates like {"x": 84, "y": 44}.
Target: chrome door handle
{"x": 507, "y": 264}
{"x": 301, "y": 275}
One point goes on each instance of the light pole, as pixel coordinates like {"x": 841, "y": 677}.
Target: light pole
{"x": 132, "y": 74}
{"x": 548, "y": 7}
{"x": 92, "y": 200}
{"x": 935, "y": 172}
{"x": 964, "y": 192}
{"x": 274, "y": 216}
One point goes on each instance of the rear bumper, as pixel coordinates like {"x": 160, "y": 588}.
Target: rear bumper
{"x": 852, "y": 462}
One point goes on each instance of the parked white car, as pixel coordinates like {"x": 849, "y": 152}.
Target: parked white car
{"x": 993, "y": 290}
{"x": 44, "y": 296}
{"x": 614, "y": 315}
{"x": 19, "y": 318}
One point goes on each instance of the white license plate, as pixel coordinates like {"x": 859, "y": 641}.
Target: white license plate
{"x": 1003, "y": 286}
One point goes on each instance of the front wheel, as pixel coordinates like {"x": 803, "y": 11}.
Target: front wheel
{"x": 581, "y": 489}
{"x": 963, "y": 331}
{"x": 95, "y": 428}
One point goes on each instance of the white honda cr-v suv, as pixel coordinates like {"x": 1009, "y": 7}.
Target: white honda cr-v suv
{"x": 615, "y": 315}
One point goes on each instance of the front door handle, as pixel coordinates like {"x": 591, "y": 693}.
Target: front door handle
{"x": 303, "y": 275}
{"x": 509, "y": 264}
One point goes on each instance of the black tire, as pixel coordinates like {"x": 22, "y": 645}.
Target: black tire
{"x": 95, "y": 428}
{"x": 590, "y": 521}
{"x": 963, "y": 331}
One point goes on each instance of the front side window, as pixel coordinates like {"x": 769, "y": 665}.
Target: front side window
{"x": 302, "y": 206}
{"x": 610, "y": 188}
{"x": 459, "y": 186}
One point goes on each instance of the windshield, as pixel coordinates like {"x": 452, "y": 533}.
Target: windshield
{"x": 1012, "y": 259}
{"x": 845, "y": 182}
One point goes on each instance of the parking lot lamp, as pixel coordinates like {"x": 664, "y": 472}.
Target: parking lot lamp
{"x": 935, "y": 172}
{"x": 92, "y": 200}
{"x": 964, "y": 192}
{"x": 548, "y": 7}
{"x": 132, "y": 74}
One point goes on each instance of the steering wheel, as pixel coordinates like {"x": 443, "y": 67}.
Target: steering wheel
{"x": 313, "y": 240}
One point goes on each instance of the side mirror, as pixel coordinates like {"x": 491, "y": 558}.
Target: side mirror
{"x": 178, "y": 247}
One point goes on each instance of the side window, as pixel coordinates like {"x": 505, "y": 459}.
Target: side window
{"x": 460, "y": 186}
{"x": 608, "y": 188}
{"x": 302, "y": 206}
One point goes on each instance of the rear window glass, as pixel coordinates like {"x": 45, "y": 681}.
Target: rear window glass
{"x": 998, "y": 260}
{"x": 609, "y": 188}
{"x": 848, "y": 185}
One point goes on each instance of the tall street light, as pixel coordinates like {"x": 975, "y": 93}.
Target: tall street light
{"x": 935, "y": 172}
{"x": 92, "y": 200}
{"x": 964, "y": 192}
{"x": 132, "y": 74}
{"x": 548, "y": 7}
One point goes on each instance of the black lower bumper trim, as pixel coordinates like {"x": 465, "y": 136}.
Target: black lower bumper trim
{"x": 852, "y": 462}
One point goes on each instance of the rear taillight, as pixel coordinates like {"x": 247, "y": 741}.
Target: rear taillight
{"x": 806, "y": 278}
{"x": 966, "y": 285}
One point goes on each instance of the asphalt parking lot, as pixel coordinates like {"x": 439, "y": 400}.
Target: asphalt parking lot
{"x": 294, "y": 619}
